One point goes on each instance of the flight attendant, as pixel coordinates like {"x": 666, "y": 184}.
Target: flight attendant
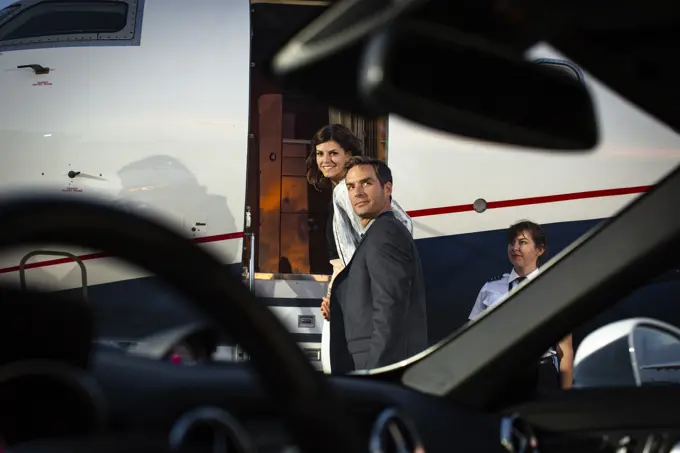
{"x": 526, "y": 244}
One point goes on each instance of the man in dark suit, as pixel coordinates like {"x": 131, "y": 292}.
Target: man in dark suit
{"x": 378, "y": 300}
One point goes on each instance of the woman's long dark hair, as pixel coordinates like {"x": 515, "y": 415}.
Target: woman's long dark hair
{"x": 338, "y": 133}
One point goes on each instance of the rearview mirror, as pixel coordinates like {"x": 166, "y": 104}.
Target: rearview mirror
{"x": 634, "y": 352}
{"x": 487, "y": 94}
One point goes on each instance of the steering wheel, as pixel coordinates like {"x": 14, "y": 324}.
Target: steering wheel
{"x": 312, "y": 412}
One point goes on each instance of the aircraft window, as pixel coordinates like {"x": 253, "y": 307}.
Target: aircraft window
{"x": 66, "y": 18}
{"x": 71, "y": 23}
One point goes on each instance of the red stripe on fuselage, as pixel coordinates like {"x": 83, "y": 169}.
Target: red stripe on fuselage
{"x": 414, "y": 213}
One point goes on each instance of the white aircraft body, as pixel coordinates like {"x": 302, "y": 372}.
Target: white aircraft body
{"x": 157, "y": 105}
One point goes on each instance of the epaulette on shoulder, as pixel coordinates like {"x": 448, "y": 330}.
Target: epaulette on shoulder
{"x": 495, "y": 279}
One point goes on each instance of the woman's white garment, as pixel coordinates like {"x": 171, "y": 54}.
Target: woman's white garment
{"x": 326, "y": 326}
{"x": 347, "y": 232}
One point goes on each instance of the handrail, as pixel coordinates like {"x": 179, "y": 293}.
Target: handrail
{"x": 29, "y": 255}
{"x": 251, "y": 264}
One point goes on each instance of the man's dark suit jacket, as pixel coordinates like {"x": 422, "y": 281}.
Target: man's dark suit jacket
{"x": 378, "y": 301}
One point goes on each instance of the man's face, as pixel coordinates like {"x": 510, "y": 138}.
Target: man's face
{"x": 368, "y": 198}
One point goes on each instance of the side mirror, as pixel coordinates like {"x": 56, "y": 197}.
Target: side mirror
{"x": 629, "y": 353}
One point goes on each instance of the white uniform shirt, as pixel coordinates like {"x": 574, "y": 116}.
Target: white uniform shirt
{"x": 495, "y": 289}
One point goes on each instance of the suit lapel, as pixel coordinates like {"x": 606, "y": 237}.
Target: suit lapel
{"x": 362, "y": 237}
{"x": 340, "y": 278}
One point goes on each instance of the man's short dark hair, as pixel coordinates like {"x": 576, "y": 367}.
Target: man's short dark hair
{"x": 537, "y": 233}
{"x": 382, "y": 171}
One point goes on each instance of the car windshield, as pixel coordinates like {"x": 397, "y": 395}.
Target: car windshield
{"x": 259, "y": 176}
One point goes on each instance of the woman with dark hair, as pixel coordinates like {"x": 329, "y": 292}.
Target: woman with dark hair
{"x": 332, "y": 147}
{"x": 527, "y": 242}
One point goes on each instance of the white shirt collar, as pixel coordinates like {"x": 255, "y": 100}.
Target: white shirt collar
{"x": 368, "y": 225}
{"x": 370, "y": 222}
{"x": 513, "y": 275}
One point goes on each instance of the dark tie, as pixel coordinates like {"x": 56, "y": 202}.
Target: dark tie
{"x": 516, "y": 282}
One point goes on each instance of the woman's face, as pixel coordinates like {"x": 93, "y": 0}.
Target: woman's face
{"x": 331, "y": 159}
{"x": 523, "y": 252}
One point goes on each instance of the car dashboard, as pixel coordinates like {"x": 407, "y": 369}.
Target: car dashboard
{"x": 197, "y": 405}
{"x": 222, "y": 407}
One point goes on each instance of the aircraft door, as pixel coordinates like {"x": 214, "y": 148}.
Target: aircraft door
{"x": 292, "y": 213}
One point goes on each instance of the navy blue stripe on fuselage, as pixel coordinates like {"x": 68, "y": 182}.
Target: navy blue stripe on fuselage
{"x": 455, "y": 269}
